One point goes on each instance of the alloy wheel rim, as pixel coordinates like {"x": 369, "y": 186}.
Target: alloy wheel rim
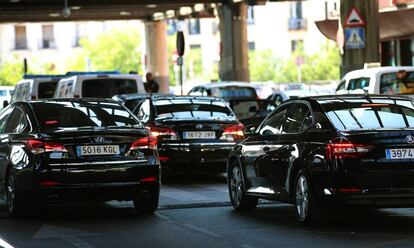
{"x": 302, "y": 197}
{"x": 236, "y": 185}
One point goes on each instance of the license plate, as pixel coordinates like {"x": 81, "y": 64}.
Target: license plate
{"x": 97, "y": 150}
{"x": 199, "y": 135}
{"x": 399, "y": 153}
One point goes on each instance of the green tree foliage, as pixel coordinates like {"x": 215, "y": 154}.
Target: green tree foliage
{"x": 323, "y": 65}
{"x": 118, "y": 49}
{"x": 263, "y": 65}
{"x": 11, "y": 71}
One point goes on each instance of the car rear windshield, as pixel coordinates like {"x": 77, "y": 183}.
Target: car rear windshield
{"x": 46, "y": 89}
{"x": 192, "y": 109}
{"x": 370, "y": 114}
{"x": 397, "y": 83}
{"x": 54, "y": 115}
{"x": 108, "y": 87}
{"x": 234, "y": 92}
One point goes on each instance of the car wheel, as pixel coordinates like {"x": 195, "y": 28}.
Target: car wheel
{"x": 307, "y": 210}
{"x": 146, "y": 205}
{"x": 14, "y": 205}
{"x": 238, "y": 197}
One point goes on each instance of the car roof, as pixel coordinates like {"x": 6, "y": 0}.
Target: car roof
{"x": 375, "y": 70}
{"x": 79, "y": 100}
{"x": 225, "y": 84}
{"x": 357, "y": 97}
{"x": 126, "y": 97}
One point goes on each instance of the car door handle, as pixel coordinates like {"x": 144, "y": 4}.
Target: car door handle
{"x": 266, "y": 149}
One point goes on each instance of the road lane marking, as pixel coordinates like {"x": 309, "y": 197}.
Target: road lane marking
{"x": 4, "y": 243}
{"x": 67, "y": 234}
{"x": 202, "y": 230}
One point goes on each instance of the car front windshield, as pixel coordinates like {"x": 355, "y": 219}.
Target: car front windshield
{"x": 55, "y": 115}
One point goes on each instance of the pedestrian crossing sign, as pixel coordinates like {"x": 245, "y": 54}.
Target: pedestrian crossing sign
{"x": 355, "y": 38}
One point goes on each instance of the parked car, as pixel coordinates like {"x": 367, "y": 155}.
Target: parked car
{"x": 240, "y": 96}
{"x": 33, "y": 87}
{"x": 5, "y": 94}
{"x": 279, "y": 97}
{"x": 73, "y": 150}
{"x": 194, "y": 133}
{"x": 379, "y": 80}
{"x": 225, "y": 90}
{"x": 327, "y": 152}
{"x": 98, "y": 85}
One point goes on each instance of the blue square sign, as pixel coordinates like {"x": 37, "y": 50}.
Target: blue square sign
{"x": 355, "y": 38}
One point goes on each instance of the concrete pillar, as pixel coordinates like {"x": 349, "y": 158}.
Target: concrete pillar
{"x": 234, "y": 62}
{"x": 355, "y": 58}
{"x": 157, "y": 53}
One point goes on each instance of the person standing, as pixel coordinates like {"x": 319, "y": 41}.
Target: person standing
{"x": 151, "y": 86}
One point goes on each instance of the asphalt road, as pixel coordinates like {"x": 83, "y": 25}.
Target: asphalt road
{"x": 194, "y": 213}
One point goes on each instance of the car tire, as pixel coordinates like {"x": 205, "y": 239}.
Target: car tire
{"x": 238, "y": 197}
{"x": 15, "y": 205}
{"x": 146, "y": 205}
{"x": 308, "y": 211}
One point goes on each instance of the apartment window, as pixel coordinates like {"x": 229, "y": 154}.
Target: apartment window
{"x": 171, "y": 27}
{"x": 296, "y": 10}
{"x": 194, "y": 26}
{"x": 296, "y": 45}
{"x": 252, "y": 45}
{"x": 20, "y": 41}
{"x": 48, "y": 40}
{"x": 195, "y": 46}
{"x": 250, "y": 15}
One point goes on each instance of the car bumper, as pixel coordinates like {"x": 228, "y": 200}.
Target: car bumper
{"x": 379, "y": 189}
{"x": 93, "y": 183}
{"x": 194, "y": 156}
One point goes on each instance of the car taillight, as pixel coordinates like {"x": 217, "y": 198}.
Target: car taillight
{"x": 149, "y": 142}
{"x": 344, "y": 148}
{"x": 37, "y": 146}
{"x": 233, "y": 133}
{"x": 164, "y": 133}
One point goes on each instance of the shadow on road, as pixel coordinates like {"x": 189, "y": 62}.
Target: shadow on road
{"x": 376, "y": 221}
{"x": 194, "y": 178}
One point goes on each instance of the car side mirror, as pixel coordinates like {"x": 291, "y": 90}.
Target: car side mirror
{"x": 5, "y": 103}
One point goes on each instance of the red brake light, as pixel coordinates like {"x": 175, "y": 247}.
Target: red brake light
{"x": 54, "y": 147}
{"x": 148, "y": 179}
{"x": 341, "y": 149}
{"x": 37, "y": 146}
{"x": 49, "y": 183}
{"x": 233, "y": 133}
{"x": 163, "y": 132}
{"x": 149, "y": 142}
{"x": 51, "y": 122}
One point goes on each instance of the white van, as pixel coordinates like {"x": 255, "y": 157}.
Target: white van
{"x": 386, "y": 80}
{"x": 34, "y": 87}
{"x": 5, "y": 94}
{"x": 99, "y": 85}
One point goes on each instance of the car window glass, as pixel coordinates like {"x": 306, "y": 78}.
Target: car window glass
{"x": 295, "y": 116}
{"x": 341, "y": 86}
{"x": 17, "y": 122}
{"x": 358, "y": 83}
{"x": 144, "y": 111}
{"x": 46, "y": 89}
{"x": 108, "y": 87}
{"x": 397, "y": 83}
{"x": 271, "y": 126}
{"x": 3, "y": 118}
{"x": 363, "y": 116}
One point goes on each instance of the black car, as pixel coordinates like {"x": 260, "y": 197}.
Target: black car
{"x": 73, "y": 150}
{"x": 328, "y": 152}
{"x": 194, "y": 133}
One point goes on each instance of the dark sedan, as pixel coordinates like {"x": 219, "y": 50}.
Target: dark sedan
{"x": 194, "y": 133}
{"x": 328, "y": 152}
{"x": 55, "y": 151}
